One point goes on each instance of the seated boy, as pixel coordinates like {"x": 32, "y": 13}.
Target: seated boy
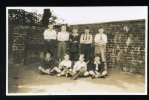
{"x": 97, "y": 68}
{"x": 47, "y": 64}
{"x": 64, "y": 66}
{"x": 80, "y": 68}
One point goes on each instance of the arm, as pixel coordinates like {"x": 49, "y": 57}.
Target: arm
{"x": 104, "y": 41}
{"x": 59, "y": 36}
{"x": 81, "y": 39}
{"x": 67, "y": 38}
{"x": 96, "y": 39}
{"x": 55, "y": 36}
{"x": 45, "y": 34}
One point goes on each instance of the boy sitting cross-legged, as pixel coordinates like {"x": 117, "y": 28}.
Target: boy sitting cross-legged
{"x": 64, "y": 67}
{"x": 80, "y": 68}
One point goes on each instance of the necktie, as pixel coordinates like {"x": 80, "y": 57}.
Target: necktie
{"x": 85, "y": 36}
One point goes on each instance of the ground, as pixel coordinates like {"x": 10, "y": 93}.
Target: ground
{"x": 27, "y": 79}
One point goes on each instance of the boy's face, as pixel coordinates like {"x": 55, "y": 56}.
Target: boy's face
{"x": 101, "y": 30}
{"x": 81, "y": 59}
{"x": 97, "y": 58}
{"x": 48, "y": 55}
{"x": 75, "y": 30}
{"x": 63, "y": 28}
{"x": 66, "y": 57}
{"x": 87, "y": 30}
{"x": 50, "y": 26}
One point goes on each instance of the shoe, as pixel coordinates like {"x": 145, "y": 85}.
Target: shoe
{"x": 66, "y": 75}
{"x": 58, "y": 75}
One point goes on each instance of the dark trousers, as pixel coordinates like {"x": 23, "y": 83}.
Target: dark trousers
{"x": 50, "y": 46}
{"x": 62, "y": 46}
{"x": 86, "y": 50}
{"x": 74, "y": 56}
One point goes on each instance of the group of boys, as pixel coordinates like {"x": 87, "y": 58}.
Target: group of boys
{"x": 94, "y": 68}
{"x": 73, "y": 40}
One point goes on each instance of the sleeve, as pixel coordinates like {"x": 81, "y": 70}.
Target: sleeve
{"x": 45, "y": 34}
{"x": 55, "y": 34}
{"x": 106, "y": 39}
{"x": 69, "y": 66}
{"x": 67, "y": 38}
{"x": 96, "y": 39}
{"x": 58, "y": 36}
{"x": 91, "y": 39}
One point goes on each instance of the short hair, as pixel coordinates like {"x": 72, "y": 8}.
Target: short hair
{"x": 66, "y": 54}
{"x": 63, "y": 25}
{"x": 99, "y": 27}
{"x": 75, "y": 27}
{"x": 50, "y": 23}
{"x": 87, "y": 27}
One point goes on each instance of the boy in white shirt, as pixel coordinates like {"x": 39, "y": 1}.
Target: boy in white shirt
{"x": 62, "y": 38}
{"x": 64, "y": 66}
{"x": 100, "y": 45}
{"x": 50, "y": 36}
{"x": 80, "y": 68}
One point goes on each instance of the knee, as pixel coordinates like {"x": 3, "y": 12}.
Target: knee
{"x": 91, "y": 72}
{"x": 86, "y": 73}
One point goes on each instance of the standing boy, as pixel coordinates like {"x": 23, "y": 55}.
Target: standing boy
{"x": 100, "y": 45}
{"x": 50, "y": 40}
{"x": 62, "y": 38}
{"x": 74, "y": 44}
{"x": 86, "y": 41}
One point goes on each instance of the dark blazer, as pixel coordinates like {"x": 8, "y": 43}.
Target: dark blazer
{"x": 92, "y": 66}
{"x": 49, "y": 64}
{"x": 74, "y": 43}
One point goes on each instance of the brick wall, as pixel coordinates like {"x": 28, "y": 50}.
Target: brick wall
{"x": 126, "y": 44}
{"x": 125, "y": 47}
{"x": 27, "y": 43}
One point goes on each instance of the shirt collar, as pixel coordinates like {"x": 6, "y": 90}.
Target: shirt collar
{"x": 75, "y": 34}
{"x": 96, "y": 62}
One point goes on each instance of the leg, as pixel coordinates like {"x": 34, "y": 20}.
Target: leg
{"x": 103, "y": 56}
{"x": 86, "y": 73}
{"x": 60, "y": 50}
{"x": 92, "y": 73}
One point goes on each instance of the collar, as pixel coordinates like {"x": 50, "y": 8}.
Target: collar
{"x": 75, "y": 34}
{"x": 96, "y": 62}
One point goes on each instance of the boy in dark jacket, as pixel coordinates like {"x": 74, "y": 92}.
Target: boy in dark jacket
{"x": 47, "y": 64}
{"x": 96, "y": 68}
{"x": 74, "y": 44}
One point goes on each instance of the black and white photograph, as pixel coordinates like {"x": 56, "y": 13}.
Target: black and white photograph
{"x": 99, "y": 50}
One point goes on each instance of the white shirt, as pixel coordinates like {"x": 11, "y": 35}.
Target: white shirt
{"x": 98, "y": 39}
{"x": 50, "y": 34}
{"x": 79, "y": 65}
{"x": 66, "y": 63}
{"x": 63, "y": 36}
